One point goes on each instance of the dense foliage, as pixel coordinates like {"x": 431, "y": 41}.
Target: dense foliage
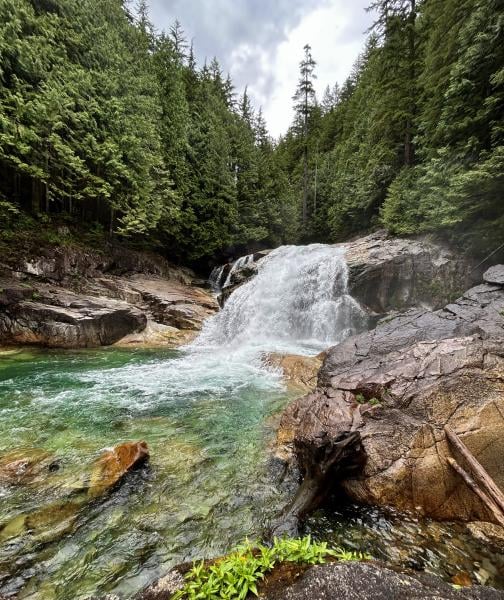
{"x": 105, "y": 121}
{"x": 101, "y": 119}
{"x": 413, "y": 140}
{"x": 236, "y": 575}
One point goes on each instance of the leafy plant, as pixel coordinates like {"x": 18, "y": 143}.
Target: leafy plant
{"x": 234, "y": 576}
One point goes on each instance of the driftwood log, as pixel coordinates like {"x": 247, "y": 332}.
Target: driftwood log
{"x": 478, "y": 479}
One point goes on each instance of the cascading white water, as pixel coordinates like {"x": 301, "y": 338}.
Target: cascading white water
{"x": 298, "y": 302}
{"x": 215, "y": 279}
{"x": 238, "y": 264}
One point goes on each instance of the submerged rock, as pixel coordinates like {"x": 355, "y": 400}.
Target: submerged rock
{"x": 114, "y": 464}
{"x": 22, "y": 466}
{"x": 397, "y": 387}
{"x": 372, "y": 581}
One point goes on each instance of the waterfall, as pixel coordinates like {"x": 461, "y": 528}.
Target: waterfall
{"x": 243, "y": 261}
{"x": 298, "y": 302}
{"x": 215, "y": 279}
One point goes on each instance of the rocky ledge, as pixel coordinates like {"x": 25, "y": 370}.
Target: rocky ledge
{"x": 385, "y": 273}
{"x": 376, "y": 423}
{"x": 73, "y": 298}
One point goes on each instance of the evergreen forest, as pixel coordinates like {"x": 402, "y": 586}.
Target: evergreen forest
{"x": 107, "y": 123}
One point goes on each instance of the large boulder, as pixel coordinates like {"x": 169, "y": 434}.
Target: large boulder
{"x": 373, "y": 581}
{"x": 390, "y": 273}
{"x": 391, "y": 391}
{"x": 58, "y": 318}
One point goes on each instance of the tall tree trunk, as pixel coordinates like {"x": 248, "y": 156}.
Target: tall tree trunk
{"x": 305, "y": 185}
{"x": 409, "y": 150}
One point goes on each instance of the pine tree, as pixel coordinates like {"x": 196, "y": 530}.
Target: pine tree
{"x": 304, "y": 99}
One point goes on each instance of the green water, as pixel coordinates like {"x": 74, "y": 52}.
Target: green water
{"x": 206, "y": 487}
{"x": 206, "y": 416}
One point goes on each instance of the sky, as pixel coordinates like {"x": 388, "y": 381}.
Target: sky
{"x": 260, "y": 43}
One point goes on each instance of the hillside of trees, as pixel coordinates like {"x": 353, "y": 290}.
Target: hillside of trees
{"x": 413, "y": 140}
{"x": 106, "y": 121}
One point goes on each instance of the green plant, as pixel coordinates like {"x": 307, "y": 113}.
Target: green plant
{"x": 374, "y": 402}
{"x": 235, "y": 575}
{"x": 360, "y": 398}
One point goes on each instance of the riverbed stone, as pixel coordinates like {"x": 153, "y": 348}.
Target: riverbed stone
{"x": 23, "y": 465}
{"x": 113, "y": 464}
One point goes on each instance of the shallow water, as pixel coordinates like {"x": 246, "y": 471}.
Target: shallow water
{"x": 206, "y": 487}
{"x": 445, "y": 549}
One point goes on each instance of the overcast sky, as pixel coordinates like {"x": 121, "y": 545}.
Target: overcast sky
{"x": 260, "y": 42}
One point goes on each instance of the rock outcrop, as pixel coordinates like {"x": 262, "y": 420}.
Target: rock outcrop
{"x": 55, "y": 317}
{"x": 391, "y": 273}
{"x": 391, "y": 391}
{"x": 372, "y": 581}
{"x": 71, "y": 298}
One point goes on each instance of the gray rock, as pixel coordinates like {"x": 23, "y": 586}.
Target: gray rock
{"x": 397, "y": 387}
{"x": 371, "y": 581}
{"x": 391, "y": 273}
{"x": 58, "y": 318}
{"x": 494, "y": 275}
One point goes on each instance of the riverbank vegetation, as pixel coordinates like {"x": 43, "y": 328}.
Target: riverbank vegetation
{"x": 105, "y": 120}
{"x": 239, "y": 573}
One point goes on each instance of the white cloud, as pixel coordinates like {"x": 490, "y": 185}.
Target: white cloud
{"x": 336, "y": 33}
{"x": 260, "y": 42}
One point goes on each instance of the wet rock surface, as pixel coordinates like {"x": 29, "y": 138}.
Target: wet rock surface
{"x": 390, "y": 273}
{"x": 299, "y": 372}
{"x": 74, "y": 298}
{"x": 397, "y": 387}
{"x": 371, "y": 581}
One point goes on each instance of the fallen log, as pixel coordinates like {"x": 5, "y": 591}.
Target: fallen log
{"x": 497, "y": 514}
{"x": 477, "y": 470}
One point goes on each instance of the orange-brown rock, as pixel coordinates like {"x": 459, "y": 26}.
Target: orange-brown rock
{"x": 22, "y": 466}
{"x": 114, "y": 464}
{"x": 299, "y": 371}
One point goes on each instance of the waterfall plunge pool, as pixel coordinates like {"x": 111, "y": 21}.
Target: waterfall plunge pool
{"x": 205, "y": 412}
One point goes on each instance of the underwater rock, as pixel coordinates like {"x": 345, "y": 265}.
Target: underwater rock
{"x": 114, "y": 464}
{"x": 24, "y": 465}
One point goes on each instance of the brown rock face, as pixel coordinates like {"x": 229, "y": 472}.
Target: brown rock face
{"x": 397, "y": 387}
{"x": 114, "y": 464}
{"x": 299, "y": 372}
